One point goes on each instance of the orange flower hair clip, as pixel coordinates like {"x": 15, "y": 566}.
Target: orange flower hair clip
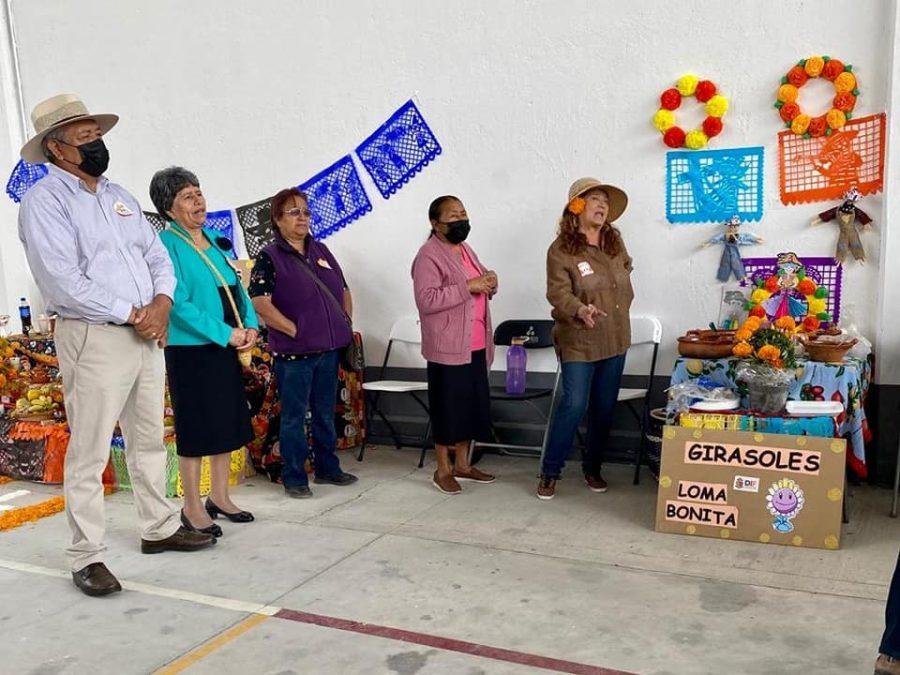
{"x": 576, "y": 206}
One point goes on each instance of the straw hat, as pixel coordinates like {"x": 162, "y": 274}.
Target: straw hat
{"x": 618, "y": 200}
{"x": 57, "y": 112}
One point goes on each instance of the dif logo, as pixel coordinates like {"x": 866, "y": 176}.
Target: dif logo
{"x": 746, "y": 484}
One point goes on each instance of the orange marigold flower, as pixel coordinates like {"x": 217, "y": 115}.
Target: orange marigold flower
{"x": 844, "y": 101}
{"x": 810, "y": 324}
{"x": 576, "y": 205}
{"x": 833, "y": 68}
{"x": 785, "y": 323}
{"x": 743, "y": 334}
{"x": 768, "y": 353}
{"x": 753, "y": 323}
{"x": 772, "y": 284}
{"x": 818, "y": 126}
{"x": 742, "y": 350}
{"x": 797, "y": 76}
{"x": 789, "y": 111}
{"x": 807, "y": 286}
{"x": 759, "y": 312}
{"x": 814, "y": 66}
{"x": 846, "y": 81}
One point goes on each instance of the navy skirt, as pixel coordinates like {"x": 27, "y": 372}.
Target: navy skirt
{"x": 206, "y": 387}
{"x": 459, "y": 398}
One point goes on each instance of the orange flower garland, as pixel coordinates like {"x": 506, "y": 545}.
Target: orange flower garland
{"x": 846, "y": 93}
{"x": 27, "y": 514}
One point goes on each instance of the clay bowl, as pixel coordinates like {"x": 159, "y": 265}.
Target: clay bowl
{"x": 828, "y": 352}
{"x": 706, "y": 344}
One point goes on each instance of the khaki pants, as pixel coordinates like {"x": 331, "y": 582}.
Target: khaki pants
{"x": 110, "y": 374}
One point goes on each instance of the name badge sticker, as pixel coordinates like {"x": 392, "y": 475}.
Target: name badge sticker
{"x": 585, "y": 268}
{"x": 122, "y": 210}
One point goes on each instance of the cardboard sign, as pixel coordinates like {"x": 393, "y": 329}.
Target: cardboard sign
{"x": 769, "y": 488}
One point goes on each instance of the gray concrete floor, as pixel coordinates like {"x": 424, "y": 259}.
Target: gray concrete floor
{"x": 582, "y": 578}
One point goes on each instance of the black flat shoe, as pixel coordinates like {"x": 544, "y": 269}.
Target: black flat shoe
{"x": 239, "y": 517}
{"x": 213, "y": 529}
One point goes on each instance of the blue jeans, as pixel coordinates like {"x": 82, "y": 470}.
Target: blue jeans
{"x": 308, "y": 382}
{"x": 586, "y": 385}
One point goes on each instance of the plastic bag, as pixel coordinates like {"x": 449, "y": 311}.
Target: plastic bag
{"x": 684, "y": 395}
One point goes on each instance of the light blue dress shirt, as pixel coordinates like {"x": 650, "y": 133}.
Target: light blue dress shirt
{"x": 93, "y": 254}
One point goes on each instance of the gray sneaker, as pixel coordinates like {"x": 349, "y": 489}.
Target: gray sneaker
{"x": 301, "y": 492}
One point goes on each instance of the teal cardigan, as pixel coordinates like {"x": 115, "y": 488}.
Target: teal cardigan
{"x": 197, "y": 316}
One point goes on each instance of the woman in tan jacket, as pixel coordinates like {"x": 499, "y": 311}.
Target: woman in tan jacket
{"x": 589, "y": 286}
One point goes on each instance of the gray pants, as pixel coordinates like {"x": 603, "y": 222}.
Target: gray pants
{"x": 110, "y": 374}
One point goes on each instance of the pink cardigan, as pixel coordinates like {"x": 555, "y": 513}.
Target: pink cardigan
{"x": 446, "y": 307}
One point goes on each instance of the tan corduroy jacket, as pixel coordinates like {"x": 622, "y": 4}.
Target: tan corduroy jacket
{"x": 591, "y": 277}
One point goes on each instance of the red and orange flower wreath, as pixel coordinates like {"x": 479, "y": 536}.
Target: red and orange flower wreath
{"x": 845, "y": 94}
{"x": 705, "y": 92}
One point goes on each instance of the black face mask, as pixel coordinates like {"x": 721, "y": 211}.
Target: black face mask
{"x": 94, "y": 157}
{"x": 457, "y": 231}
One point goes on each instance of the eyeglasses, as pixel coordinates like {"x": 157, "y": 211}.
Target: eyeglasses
{"x": 296, "y": 213}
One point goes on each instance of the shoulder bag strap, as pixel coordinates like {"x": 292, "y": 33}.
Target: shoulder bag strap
{"x": 327, "y": 291}
{"x": 216, "y": 274}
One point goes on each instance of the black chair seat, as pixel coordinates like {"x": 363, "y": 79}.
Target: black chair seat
{"x": 498, "y": 393}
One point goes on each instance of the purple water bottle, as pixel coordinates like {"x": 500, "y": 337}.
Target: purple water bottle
{"x": 516, "y": 359}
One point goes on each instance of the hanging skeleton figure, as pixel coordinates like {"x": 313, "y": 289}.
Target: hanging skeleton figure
{"x": 732, "y": 239}
{"x": 850, "y": 219}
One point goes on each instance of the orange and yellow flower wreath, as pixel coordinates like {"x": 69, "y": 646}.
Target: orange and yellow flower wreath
{"x": 845, "y": 95}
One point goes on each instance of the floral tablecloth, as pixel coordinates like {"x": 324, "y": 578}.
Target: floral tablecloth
{"x": 847, "y": 382}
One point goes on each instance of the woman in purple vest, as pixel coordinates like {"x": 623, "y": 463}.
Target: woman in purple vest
{"x": 298, "y": 289}
{"x": 452, "y": 290}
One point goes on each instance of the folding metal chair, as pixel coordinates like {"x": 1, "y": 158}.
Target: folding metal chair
{"x": 646, "y": 331}
{"x": 406, "y": 330}
{"x": 538, "y": 335}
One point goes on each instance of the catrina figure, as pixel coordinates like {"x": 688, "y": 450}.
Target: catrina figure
{"x": 732, "y": 239}
{"x": 850, "y": 219}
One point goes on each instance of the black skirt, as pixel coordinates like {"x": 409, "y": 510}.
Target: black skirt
{"x": 207, "y": 391}
{"x": 459, "y": 398}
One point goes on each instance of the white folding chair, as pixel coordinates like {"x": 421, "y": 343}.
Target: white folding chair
{"x": 646, "y": 331}
{"x": 405, "y": 330}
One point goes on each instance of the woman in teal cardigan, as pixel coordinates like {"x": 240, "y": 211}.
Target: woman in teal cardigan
{"x": 212, "y": 417}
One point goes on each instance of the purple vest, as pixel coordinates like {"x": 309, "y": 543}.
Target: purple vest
{"x": 321, "y": 323}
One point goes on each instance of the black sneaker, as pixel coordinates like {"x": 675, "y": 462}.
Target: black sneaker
{"x": 341, "y": 478}
{"x": 301, "y": 492}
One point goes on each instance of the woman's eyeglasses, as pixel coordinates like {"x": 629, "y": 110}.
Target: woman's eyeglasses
{"x": 296, "y": 213}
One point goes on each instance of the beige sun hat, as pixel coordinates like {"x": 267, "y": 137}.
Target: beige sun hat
{"x": 57, "y": 112}
{"x": 618, "y": 200}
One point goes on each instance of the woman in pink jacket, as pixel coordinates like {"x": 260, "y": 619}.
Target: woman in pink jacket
{"x": 452, "y": 290}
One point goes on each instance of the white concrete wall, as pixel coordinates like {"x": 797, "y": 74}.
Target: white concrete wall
{"x": 524, "y": 97}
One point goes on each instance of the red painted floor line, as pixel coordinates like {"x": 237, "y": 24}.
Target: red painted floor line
{"x": 448, "y": 644}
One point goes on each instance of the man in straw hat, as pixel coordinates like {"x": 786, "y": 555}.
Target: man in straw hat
{"x": 101, "y": 267}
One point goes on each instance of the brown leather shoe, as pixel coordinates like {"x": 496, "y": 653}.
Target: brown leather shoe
{"x": 546, "y": 488}
{"x": 474, "y": 475}
{"x": 887, "y": 665}
{"x": 446, "y": 484}
{"x": 96, "y": 580}
{"x": 182, "y": 540}
{"x": 596, "y": 483}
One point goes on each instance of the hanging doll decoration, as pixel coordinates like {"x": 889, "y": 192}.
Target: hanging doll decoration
{"x": 786, "y": 298}
{"x": 732, "y": 239}
{"x": 850, "y": 219}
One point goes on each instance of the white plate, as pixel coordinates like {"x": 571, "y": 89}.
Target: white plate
{"x": 716, "y": 406}
{"x": 814, "y": 408}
